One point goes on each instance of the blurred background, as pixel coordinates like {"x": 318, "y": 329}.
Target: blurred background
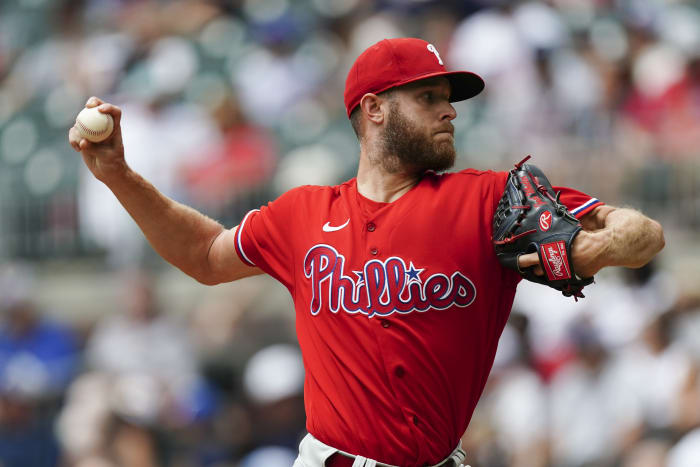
{"x": 110, "y": 357}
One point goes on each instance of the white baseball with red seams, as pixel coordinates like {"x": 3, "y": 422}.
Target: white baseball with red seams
{"x": 93, "y": 125}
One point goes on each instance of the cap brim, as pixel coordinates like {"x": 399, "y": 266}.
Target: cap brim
{"x": 464, "y": 84}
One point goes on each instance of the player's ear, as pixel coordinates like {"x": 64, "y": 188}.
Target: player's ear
{"x": 370, "y": 104}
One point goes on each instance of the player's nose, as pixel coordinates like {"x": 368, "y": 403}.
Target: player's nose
{"x": 448, "y": 112}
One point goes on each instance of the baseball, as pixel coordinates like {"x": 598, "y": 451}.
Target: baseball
{"x": 93, "y": 125}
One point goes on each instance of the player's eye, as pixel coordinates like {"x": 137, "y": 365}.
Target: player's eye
{"x": 428, "y": 96}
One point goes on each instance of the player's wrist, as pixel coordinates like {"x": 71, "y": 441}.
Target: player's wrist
{"x": 588, "y": 252}
{"x": 114, "y": 172}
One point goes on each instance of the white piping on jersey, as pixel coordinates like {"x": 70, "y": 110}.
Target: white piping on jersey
{"x": 584, "y": 206}
{"x": 238, "y": 236}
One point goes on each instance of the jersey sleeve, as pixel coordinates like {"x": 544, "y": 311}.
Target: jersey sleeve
{"x": 265, "y": 237}
{"x": 578, "y": 203}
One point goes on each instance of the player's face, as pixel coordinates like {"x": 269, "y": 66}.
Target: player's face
{"x": 418, "y": 130}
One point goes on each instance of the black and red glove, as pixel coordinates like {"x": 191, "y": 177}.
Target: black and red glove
{"x": 530, "y": 219}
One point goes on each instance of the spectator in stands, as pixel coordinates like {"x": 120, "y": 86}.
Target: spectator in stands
{"x": 38, "y": 358}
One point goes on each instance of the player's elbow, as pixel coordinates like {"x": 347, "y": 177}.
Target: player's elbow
{"x": 654, "y": 243}
{"x": 222, "y": 278}
{"x": 202, "y": 274}
{"x": 207, "y": 280}
{"x": 657, "y": 235}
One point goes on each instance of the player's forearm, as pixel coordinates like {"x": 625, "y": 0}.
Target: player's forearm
{"x": 628, "y": 238}
{"x": 178, "y": 233}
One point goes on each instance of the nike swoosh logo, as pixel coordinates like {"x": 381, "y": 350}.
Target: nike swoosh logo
{"x": 327, "y": 227}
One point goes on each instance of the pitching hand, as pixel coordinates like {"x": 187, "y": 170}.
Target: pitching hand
{"x": 105, "y": 158}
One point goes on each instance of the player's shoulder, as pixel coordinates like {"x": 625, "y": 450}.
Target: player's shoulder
{"x": 486, "y": 175}
{"x": 468, "y": 177}
{"x": 315, "y": 192}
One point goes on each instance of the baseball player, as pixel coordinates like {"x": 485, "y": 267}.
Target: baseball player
{"x": 399, "y": 297}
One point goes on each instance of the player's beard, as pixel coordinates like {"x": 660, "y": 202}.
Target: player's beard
{"x": 407, "y": 146}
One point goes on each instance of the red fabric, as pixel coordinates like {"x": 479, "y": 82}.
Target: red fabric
{"x": 398, "y": 313}
{"x": 394, "y": 62}
{"x": 578, "y": 203}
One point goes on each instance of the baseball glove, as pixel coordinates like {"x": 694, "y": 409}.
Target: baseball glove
{"x": 529, "y": 218}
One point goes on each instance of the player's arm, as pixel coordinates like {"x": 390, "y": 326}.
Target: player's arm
{"x": 615, "y": 237}
{"x": 610, "y": 237}
{"x": 189, "y": 240}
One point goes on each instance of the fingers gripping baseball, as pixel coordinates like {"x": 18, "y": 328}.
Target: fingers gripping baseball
{"x": 97, "y": 136}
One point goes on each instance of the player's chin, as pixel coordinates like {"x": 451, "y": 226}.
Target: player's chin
{"x": 443, "y": 159}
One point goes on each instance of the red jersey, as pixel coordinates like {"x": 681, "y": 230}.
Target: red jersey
{"x": 399, "y": 306}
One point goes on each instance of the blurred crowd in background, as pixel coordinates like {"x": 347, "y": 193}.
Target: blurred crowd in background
{"x": 229, "y": 103}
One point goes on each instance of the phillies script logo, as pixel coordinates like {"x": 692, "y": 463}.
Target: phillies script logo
{"x": 530, "y": 191}
{"x": 381, "y": 287}
{"x": 545, "y": 221}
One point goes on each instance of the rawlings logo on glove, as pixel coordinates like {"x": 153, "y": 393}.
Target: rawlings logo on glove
{"x": 529, "y": 218}
{"x": 555, "y": 260}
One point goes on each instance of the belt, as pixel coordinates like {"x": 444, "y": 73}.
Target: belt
{"x": 345, "y": 460}
{"x": 340, "y": 460}
{"x": 313, "y": 452}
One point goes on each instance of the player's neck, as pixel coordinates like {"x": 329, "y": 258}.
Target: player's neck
{"x": 378, "y": 184}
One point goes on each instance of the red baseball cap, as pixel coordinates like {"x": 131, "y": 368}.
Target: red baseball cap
{"x": 394, "y": 62}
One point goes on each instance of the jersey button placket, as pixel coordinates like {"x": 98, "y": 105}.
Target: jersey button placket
{"x": 371, "y": 227}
